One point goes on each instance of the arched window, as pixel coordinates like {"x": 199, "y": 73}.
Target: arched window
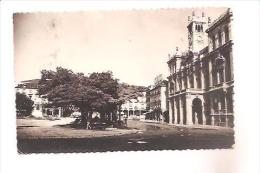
{"x": 220, "y": 62}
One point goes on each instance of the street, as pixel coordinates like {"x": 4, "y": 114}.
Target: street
{"x": 138, "y": 136}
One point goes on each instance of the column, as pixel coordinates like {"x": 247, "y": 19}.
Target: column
{"x": 188, "y": 110}
{"x": 177, "y": 83}
{"x": 203, "y": 114}
{"x": 175, "y": 111}
{"x": 224, "y": 72}
{"x": 60, "y": 109}
{"x": 182, "y": 80}
{"x": 188, "y": 80}
{"x": 202, "y": 77}
{"x": 181, "y": 109}
{"x": 194, "y": 78}
{"x": 226, "y": 117}
{"x": 170, "y": 112}
{"x": 231, "y": 64}
{"x": 212, "y": 110}
{"x": 210, "y": 74}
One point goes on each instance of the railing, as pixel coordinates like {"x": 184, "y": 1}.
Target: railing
{"x": 220, "y": 112}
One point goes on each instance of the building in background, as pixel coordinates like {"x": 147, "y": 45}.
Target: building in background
{"x": 156, "y": 100}
{"x": 201, "y": 79}
{"x": 135, "y": 107}
{"x": 30, "y": 89}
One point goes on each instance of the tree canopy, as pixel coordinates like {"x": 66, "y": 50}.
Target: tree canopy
{"x": 96, "y": 92}
{"x": 24, "y": 105}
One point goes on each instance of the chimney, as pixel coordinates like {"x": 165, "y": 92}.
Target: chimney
{"x": 193, "y": 13}
{"x": 188, "y": 18}
{"x": 209, "y": 20}
{"x": 203, "y": 14}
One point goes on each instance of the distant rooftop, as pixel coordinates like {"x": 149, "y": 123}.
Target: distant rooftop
{"x": 28, "y": 84}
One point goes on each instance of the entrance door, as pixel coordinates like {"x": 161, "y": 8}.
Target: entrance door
{"x": 197, "y": 111}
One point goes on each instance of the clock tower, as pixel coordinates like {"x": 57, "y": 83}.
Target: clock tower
{"x": 197, "y": 37}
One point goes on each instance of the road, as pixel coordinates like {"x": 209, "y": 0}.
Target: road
{"x": 144, "y": 136}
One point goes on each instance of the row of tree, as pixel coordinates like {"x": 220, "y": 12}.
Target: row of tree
{"x": 95, "y": 92}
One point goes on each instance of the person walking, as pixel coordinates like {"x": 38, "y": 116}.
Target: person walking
{"x": 125, "y": 120}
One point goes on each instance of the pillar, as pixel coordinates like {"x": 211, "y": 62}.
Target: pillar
{"x": 212, "y": 110}
{"x": 60, "y": 111}
{"x": 203, "y": 113}
{"x": 175, "y": 111}
{"x": 188, "y": 110}
{"x": 194, "y": 78}
{"x": 231, "y": 64}
{"x": 226, "y": 117}
{"x": 177, "y": 83}
{"x": 182, "y": 80}
{"x": 219, "y": 108}
{"x": 181, "y": 110}
{"x": 202, "y": 78}
{"x": 188, "y": 80}
{"x": 210, "y": 74}
{"x": 170, "y": 112}
{"x": 224, "y": 72}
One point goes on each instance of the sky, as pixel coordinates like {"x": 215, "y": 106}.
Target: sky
{"x": 133, "y": 44}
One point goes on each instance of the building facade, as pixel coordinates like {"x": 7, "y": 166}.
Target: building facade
{"x": 133, "y": 108}
{"x": 157, "y": 101}
{"x": 201, "y": 79}
{"x": 30, "y": 89}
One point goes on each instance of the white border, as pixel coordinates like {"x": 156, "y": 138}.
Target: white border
{"x": 245, "y": 156}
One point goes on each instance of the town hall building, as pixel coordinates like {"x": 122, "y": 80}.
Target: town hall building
{"x": 201, "y": 79}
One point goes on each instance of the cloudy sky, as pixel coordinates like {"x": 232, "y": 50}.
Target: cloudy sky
{"x": 134, "y": 44}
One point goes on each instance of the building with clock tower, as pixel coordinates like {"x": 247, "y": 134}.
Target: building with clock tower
{"x": 200, "y": 84}
{"x": 197, "y": 37}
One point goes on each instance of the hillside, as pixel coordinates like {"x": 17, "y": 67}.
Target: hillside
{"x": 127, "y": 91}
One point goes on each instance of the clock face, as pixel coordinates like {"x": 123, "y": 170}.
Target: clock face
{"x": 199, "y": 39}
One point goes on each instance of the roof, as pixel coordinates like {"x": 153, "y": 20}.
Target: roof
{"x": 161, "y": 84}
{"x": 31, "y": 81}
{"x": 29, "y": 84}
{"x": 220, "y": 19}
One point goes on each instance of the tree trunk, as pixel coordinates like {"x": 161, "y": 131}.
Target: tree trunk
{"x": 83, "y": 118}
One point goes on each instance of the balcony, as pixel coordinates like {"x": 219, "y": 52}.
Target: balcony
{"x": 222, "y": 112}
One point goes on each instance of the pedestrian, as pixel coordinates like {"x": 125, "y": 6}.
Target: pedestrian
{"x": 125, "y": 120}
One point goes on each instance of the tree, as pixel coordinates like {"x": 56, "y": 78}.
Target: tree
{"x": 24, "y": 105}
{"x": 96, "y": 92}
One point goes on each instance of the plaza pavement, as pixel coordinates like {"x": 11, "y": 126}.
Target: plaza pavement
{"x": 45, "y": 136}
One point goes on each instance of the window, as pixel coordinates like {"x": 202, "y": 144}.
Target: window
{"x": 198, "y": 79}
{"x": 220, "y": 69}
{"x": 213, "y": 43}
{"x": 219, "y": 39}
{"x": 191, "y": 81}
{"x": 221, "y": 76}
{"x": 226, "y": 34}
